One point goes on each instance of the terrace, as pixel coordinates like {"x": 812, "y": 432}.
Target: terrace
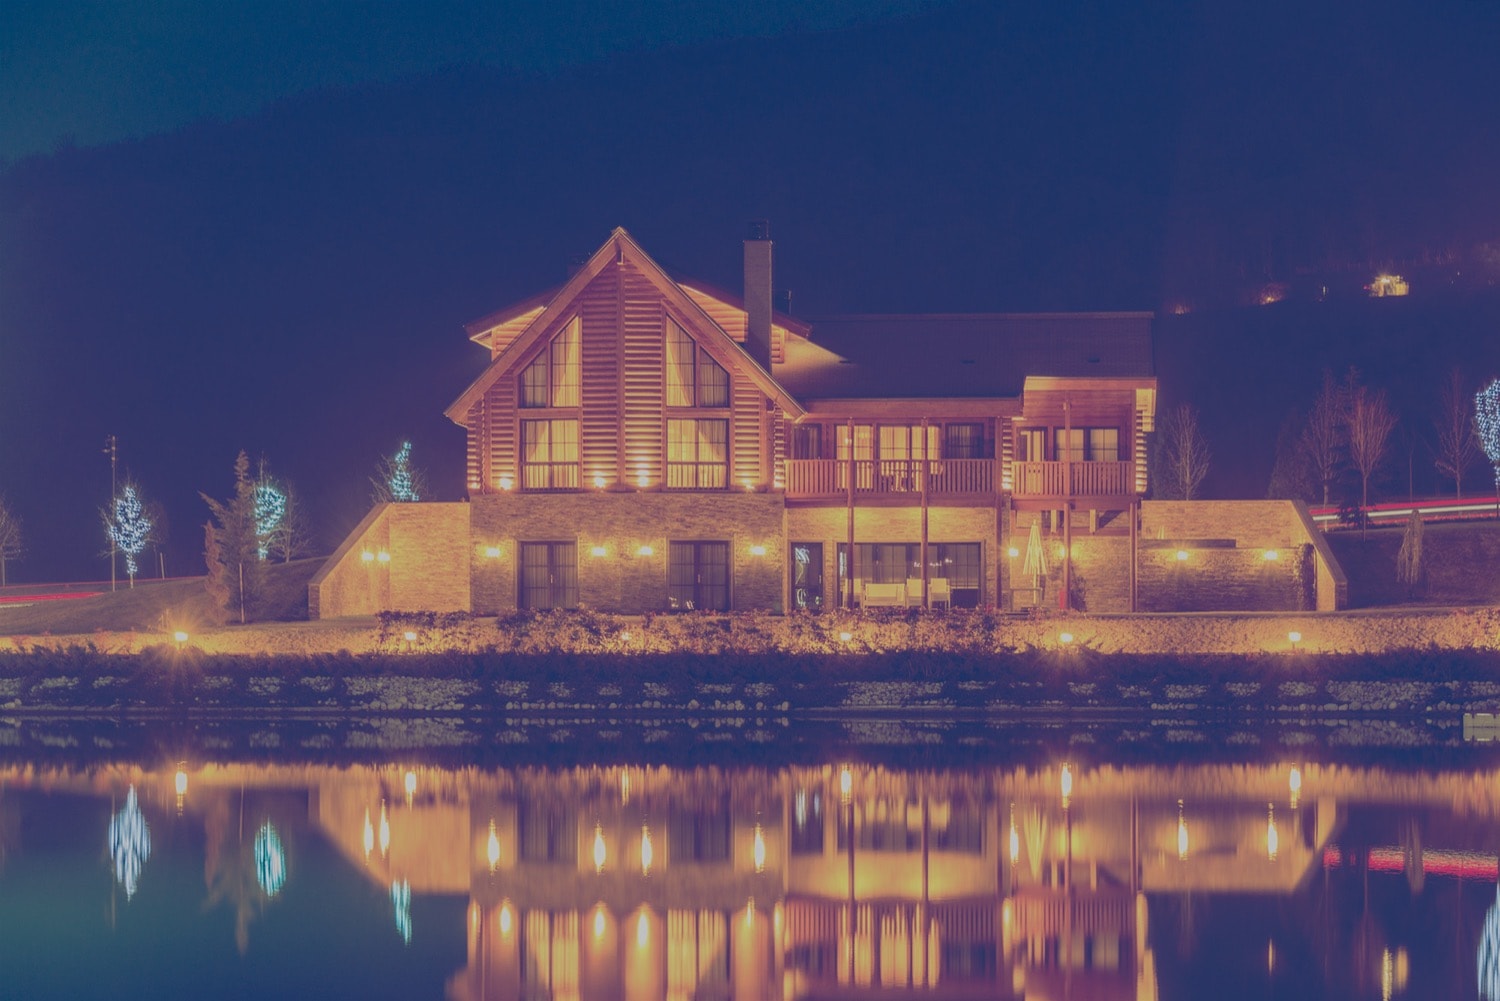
{"x": 955, "y": 479}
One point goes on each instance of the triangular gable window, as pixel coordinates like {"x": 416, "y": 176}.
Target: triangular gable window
{"x": 552, "y": 380}
{"x": 693, "y": 378}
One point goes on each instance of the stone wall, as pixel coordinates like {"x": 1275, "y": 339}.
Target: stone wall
{"x": 620, "y": 578}
{"x": 418, "y": 559}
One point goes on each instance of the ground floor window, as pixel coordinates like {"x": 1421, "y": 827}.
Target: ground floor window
{"x": 807, "y": 576}
{"x": 954, "y": 568}
{"x": 549, "y": 575}
{"x": 698, "y": 576}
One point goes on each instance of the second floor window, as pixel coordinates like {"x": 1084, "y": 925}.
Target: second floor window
{"x": 552, "y": 380}
{"x": 549, "y": 455}
{"x": 698, "y": 454}
{"x": 963, "y": 441}
{"x": 693, "y": 378}
{"x": 1088, "y": 445}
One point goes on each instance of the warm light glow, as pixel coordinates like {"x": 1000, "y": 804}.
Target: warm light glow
{"x": 645, "y": 551}
{"x": 1182, "y": 556}
{"x": 1064, "y": 638}
{"x": 1270, "y": 956}
{"x": 846, "y": 783}
{"x": 1012, "y": 552}
{"x": 369, "y": 835}
{"x": 367, "y": 556}
{"x": 1387, "y": 975}
{"x": 624, "y": 775}
{"x": 1273, "y": 841}
{"x": 385, "y": 831}
{"x": 749, "y": 487}
{"x": 1062, "y": 552}
{"x": 506, "y": 483}
{"x": 1015, "y": 839}
{"x": 643, "y": 930}
{"x": 599, "y": 921}
{"x": 1272, "y": 555}
{"x": 1182, "y": 834}
{"x": 845, "y": 636}
{"x": 1066, "y": 783}
{"x": 505, "y": 919}
{"x": 598, "y": 551}
{"x": 599, "y": 481}
{"x": 599, "y": 853}
{"x": 180, "y": 636}
{"x": 1294, "y": 782}
{"x": 181, "y": 782}
{"x": 492, "y": 848}
{"x": 750, "y": 913}
{"x": 493, "y": 552}
{"x": 382, "y": 557}
{"x": 643, "y": 481}
{"x": 759, "y": 850}
{"x": 409, "y": 636}
{"x": 646, "y": 853}
{"x": 757, "y": 550}
{"x": 1294, "y": 636}
{"x": 625, "y": 780}
{"x": 411, "y": 780}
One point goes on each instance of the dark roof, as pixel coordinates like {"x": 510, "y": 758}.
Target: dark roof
{"x": 969, "y": 354}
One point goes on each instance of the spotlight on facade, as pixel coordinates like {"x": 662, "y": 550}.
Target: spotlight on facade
{"x": 382, "y": 557}
{"x": 367, "y": 556}
{"x": 409, "y": 636}
{"x": 180, "y": 636}
{"x": 1294, "y": 637}
{"x": 493, "y": 552}
{"x": 845, "y": 636}
{"x": 506, "y": 483}
{"x": 645, "y": 551}
{"x": 757, "y": 550}
{"x": 643, "y": 481}
{"x": 599, "y": 481}
{"x": 1182, "y": 556}
{"x": 1012, "y": 552}
{"x": 1065, "y": 638}
{"x": 598, "y": 551}
{"x": 1272, "y": 555}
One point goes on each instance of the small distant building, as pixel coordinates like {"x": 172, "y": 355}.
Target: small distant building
{"x": 1387, "y": 285}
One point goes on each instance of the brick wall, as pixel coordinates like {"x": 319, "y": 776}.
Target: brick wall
{"x": 620, "y": 579}
{"x": 427, "y": 570}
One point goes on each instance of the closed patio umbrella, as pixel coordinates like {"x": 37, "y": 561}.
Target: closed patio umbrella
{"x": 1036, "y": 557}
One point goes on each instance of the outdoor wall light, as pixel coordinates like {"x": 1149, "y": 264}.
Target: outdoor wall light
{"x": 749, "y": 487}
{"x": 181, "y": 782}
{"x": 1272, "y": 555}
{"x": 1012, "y": 552}
{"x": 1062, "y": 552}
{"x": 598, "y": 551}
{"x": 505, "y": 919}
{"x": 643, "y": 481}
{"x": 757, "y": 550}
{"x": 1182, "y": 556}
{"x": 180, "y": 636}
{"x": 367, "y": 556}
{"x": 1065, "y": 638}
{"x": 645, "y": 551}
{"x": 382, "y": 557}
{"x": 506, "y": 483}
{"x": 599, "y": 481}
{"x": 1065, "y": 783}
{"x": 493, "y": 552}
{"x": 492, "y": 848}
{"x": 599, "y": 850}
{"x": 1294, "y": 637}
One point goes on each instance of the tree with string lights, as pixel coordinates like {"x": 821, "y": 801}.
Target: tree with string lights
{"x": 396, "y": 481}
{"x": 1487, "y": 422}
{"x": 128, "y": 527}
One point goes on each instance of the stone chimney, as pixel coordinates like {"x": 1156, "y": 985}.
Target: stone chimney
{"x": 758, "y": 293}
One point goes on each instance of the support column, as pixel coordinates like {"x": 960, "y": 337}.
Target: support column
{"x": 849, "y": 558}
{"x": 926, "y": 468}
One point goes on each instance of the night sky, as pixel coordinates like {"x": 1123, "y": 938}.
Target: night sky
{"x": 264, "y": 230}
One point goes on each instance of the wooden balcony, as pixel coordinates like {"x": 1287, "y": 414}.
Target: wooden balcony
{"x": 902, "y": 479}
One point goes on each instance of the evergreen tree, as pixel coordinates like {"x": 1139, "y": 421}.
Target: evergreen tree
{"x": 231, "y": 548}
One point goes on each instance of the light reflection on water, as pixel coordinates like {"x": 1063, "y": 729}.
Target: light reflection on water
{"x": 1066, "y": 879}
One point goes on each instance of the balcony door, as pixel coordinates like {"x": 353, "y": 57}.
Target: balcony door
{"x": 698, "y": 576}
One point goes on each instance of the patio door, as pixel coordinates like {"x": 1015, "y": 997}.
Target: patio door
{"x": 549, "y": 575}
{"x": 698, "y": 576}
{"x": 807, "y": 576}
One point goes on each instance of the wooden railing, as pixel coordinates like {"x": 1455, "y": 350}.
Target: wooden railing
{"x": 947, "y": 477}
{"x": 830, "y": 477}
{"x": 1090, "y": 479}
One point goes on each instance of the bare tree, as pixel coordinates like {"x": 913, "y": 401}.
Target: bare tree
{"x": 1409, "y": 557}
{"x": 1185, "y": 453}
{"x": 292, "y": 537}
{"x": 1370, "y": 422}
{"x": 11, "y": 547}
{"x": 1325, "y": 437}
{"x": 1457, "y": 440}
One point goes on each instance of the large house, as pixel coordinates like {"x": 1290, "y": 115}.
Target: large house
{"x": 644, "y": 442}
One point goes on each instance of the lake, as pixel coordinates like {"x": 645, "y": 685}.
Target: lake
{"x": 658, "y": 858}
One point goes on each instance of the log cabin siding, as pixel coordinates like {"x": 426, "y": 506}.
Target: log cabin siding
{"x": 746, "y": 433}
{"x": 644, "y": 380}
{"x": 601, "y": 306}
{"x": 499, "y": 414}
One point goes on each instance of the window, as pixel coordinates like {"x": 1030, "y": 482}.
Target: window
{"x": 698, "y": 576}
{"x": 1104, "y": 444}
{"x": 963, "y": 441}
{"x": 549, "y": 455}
{"x": 864, "y": 454}
{"x": 693, "y": 378}
{"x": 552, "y": 380}
{"x": 697, "y": 454}
{"x": 1031, "y": 445}
{"x": 807, "y": 576}
{"x": 903, "y": 442}
{"x": 1069, "y": 444}
{"x": 959, "y": 563}
{"x": 807, "y": 441}
{"x": 549, "y": 575}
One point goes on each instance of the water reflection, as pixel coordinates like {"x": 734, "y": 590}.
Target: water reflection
{"x": 635, "y": 882}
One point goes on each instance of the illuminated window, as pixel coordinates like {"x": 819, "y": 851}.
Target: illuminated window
{"x": 549, "y": 455}
{"x": 963, "y": 441}
{"x": 693, "y": 378}
{"x": 807, "y": 441}
{"x": 1088, "y": 444}
{"x": 552, "y": 380}
{"x": 698, "y": 454}
{"x": 548, "y": 575}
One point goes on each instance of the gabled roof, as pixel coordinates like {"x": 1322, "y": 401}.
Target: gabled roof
{"x": 617, "y": 248}
{"x": 968, "y": 355}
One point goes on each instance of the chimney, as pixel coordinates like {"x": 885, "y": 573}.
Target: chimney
{"x": 758, "y": 293}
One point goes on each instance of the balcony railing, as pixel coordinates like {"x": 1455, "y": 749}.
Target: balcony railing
{"x": 829, "y": 478}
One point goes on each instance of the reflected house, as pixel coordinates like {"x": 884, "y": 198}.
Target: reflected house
{"x": 642, "y": 442}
